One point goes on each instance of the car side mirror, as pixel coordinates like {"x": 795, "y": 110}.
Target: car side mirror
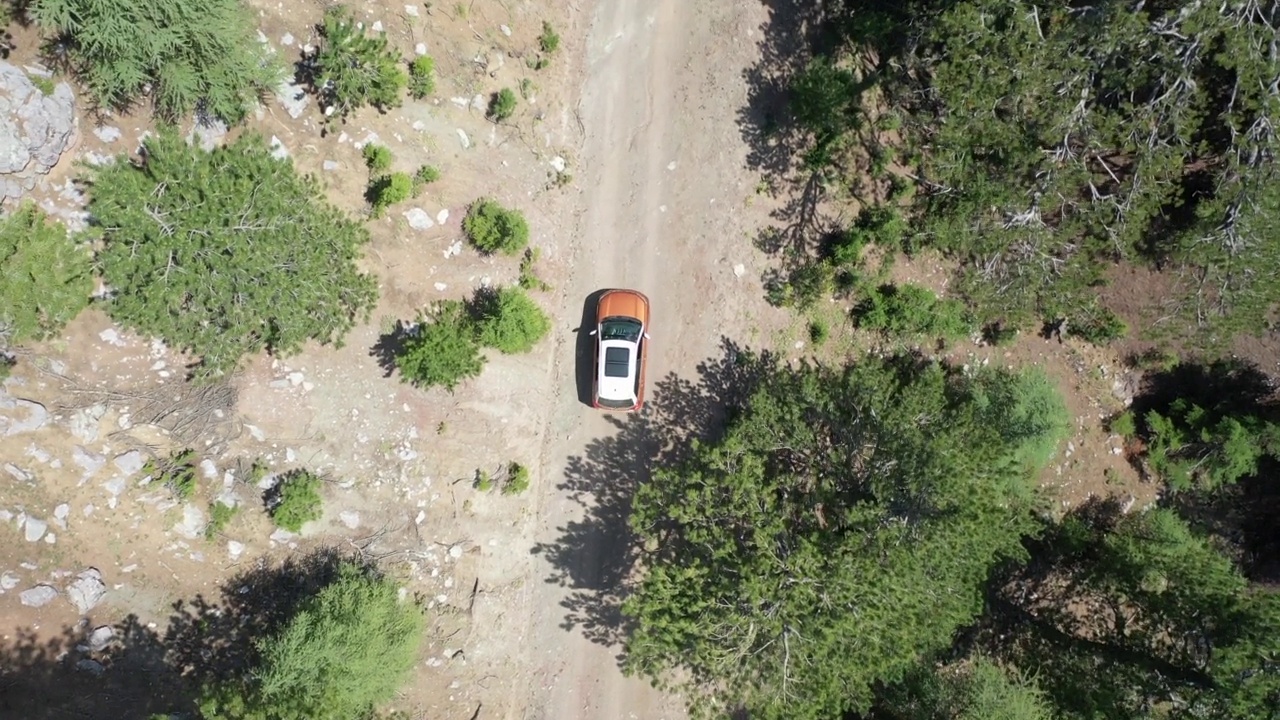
{"x": 593, "y": 332}
{"x": 646, "y": 336}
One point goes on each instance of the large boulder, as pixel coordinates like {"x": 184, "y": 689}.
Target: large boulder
{"x": 35, "y": 129}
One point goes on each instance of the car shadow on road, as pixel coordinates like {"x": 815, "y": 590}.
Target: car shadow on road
{"x": 584, "y": 363}
{"x": 596, "y": 557}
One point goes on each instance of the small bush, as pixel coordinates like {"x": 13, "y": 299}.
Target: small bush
{"x": 45, "y": 278}
{"x": 517, "y": 480}
{"x": 295, "y": 500}
{"x": 483, "y": 481}
{"x": 377, "y": 157}
{"x": 509, "y": 320}
{"x": 352, "y": 70}
{"x": 422, "y": 77}
{"x": 806, "y": 285}
{"x": 818, "y": 332}
{"x": 1154, "y": 359}
{"x": 549, "y": 40}
{"x": 426, "y": 175}
{"x": 387, "y": 190}
{"x": 912, "y": 310}
{"x": 220, "y": 515}
{"x": 443, "y": 351}
{"x": 999, "y": 334}
{"x": 879, "y": 225}
{"x": 492, "y": 228}
{"x": 502, "y": 105}
{"x": 176, "y": 472}
{"x": 1125, "y": 425}
{"x": 1099, "y": 327}
{"x": 529, "y": 280}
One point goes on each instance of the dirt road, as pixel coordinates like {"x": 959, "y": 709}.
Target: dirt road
{"x": 664, "y": 182}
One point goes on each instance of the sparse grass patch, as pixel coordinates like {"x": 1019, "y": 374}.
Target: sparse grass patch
{"x": 220, "y": 515}
{"x": 176, "y": 472}
{"x": 529, "y": 280}
{"x": 549, "y": 40}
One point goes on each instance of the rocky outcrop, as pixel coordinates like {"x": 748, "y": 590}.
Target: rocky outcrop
{"x": 35, "y": 129}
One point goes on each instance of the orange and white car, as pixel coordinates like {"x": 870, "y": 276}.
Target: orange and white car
{"x": 622, "y": 349}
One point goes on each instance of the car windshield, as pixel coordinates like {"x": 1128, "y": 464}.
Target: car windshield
{"x": 618, "y": 328}
{"x": 617, "y": 362}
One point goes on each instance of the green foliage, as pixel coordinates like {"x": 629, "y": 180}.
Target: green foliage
{"x": 508, "y": 320}
{"x": 483, "y": 481}
{"x": 1191, "y": 446}
{"x": 999, "y": 334}
{"x": 426, "y": 175}
{"x": 226, "y": 253}
{"x": 879, "y": 225}
{"x": 502, "y": 105}
{"x": 193, "y": 56}
{"x": 1124, "y": 424}
{"x": 842, "y": 528}
{"x": 549, "y": 40}
{"x": 176, "y": 472}
{"x": 978, "y": 690}
{"x": 7, "y": 364}
{"x": 517, "y": 480}
{"x": 1097, "y": 325}
{"x": 807, "y": 284}
{"x": 220, "y": 515}
{"x": 818, "y": 332}
{"x": 422, "y": 76}
{"x": 387, "y": 190}
{"x": 492, "y": 228}
{"x": 44, "y": 277}
{"x": 346, "y": 651}
{"x": 825, "y": 102}
{"x": 295, "y": 500}
{"x": 377, "y": 157}
{"x": 912, "y": 311}
{"x": 43, "y": 84}
{"x": 529, "y": 280}
{"x": 1026, "y": 410}
{"x": 352, "y": 69}
{"x": 441, "y": 351}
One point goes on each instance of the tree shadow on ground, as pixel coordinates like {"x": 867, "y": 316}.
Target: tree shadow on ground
{"x": 388, "y": 346}
{"x": 596, "y": 557}
{"x": 53, "y": 678}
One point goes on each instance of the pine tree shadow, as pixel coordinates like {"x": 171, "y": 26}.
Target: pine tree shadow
{"x": 596, "y": 557}
{"x": 389, "y": 345}
{"x": 70, "y": 676}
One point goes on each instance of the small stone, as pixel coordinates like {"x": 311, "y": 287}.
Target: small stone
{"x": 462, "y": 138}
{"x": 282, "y": 536}
{"x": 739, "y": 270}
{"x": 37, "y": 417}
{"x": 256, "y": 432}
{"x": 478, "y": 102}
{"x": 100, "y": 637}
{"x": 418, "y": 219}
{"x": 441, "y": 287}
{"x": 350, "y": 518}
{"x": 330, "y": 165}
{"x": 235, "y": 549}
{"x": 88, "y": 510}
{"x": 34, "y": 529}
{"x": 8, "y": 581}
{"x": 87, "y": 591}
{"x": 93, "y": 667}
{"x": 442, "y": 217}
{"x": 38, "y": 596}
{"x": 308, "y": 386}
{"x": 286, "y": 39}
{"x": 377, "y": 26}
{"x": 85, "y": 421}
{"x": 411, "y": 10}
{"x": 129, "y": 463}
{"x": 422, "y": 515}
{"x": 278, "y": 150}
{"x": 290, "y": 455}
{"x": 208, "y": 468}
{"x": 111, "y": 336}
{"x": 455, "y": 552}
{"x": 280, "y": 384}
{"x": 60, "y": 514}
{"x": 420, "y": 49}
{"x": 454, "y": 249}
{"x": 51, "y": 538}
{"x": 558, "y": 164}
{"x": 91, "y": 463}
{"x": 505, "y": 30}
{"x": 107, "y": 133}
{"x": 17, "y": 473}
{"x": 193, "y": 522}
{"x": 295, "y": 378}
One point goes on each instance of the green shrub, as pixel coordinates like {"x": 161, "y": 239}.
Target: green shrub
{"x": 343, "y": 652}
{"x": 176, "y": 472}
{"x": 492, "y": 228}
{"x": 442, "y": 351}
{"x": 1125, "y": 424}
{"x": 912, "y": 310}
{"x": 295, "y": 500}
{"x": 377, "y": 157}
{"x": 190, "y": 54}
{"x": 422, "y": 77}
{"x": 999, "y": 334}
{"x": 1097, "y": 325}
{"x": 483, "y": 481}
{"x": 352, "y": 69}
{"x": 529, "y": 280}
{"x": 818, "y": 332}
{"x": 426, "y": 175}
{"x": 1026, "y": 409}
{"x": 1154, "y": 359}
{"x": 45, "y": 278}
{"x": 509, "y": 320}
{"x": 549, "y": 40}
{"x": 226, "y": 253}
{"x": 387, "y": 190}
{"x": 807, "y": 284}
{"x": 517, "y": 480}
{"x": 220, "y": 515}
{"x": 879, "y": 225}
{"x": 502, "y": 105}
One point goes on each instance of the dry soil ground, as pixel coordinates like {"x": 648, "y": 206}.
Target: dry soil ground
{"x": 644, "y": 103}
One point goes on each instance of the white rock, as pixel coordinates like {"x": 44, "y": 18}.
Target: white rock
{"x": 422, "y": 515}
{"x": 350, "y": 518}
{"x": 192, "y": 524}
{"x": 235, "y": 549}
{"x": 411, "y": 10}
{"x": 377, "y": 26}
{"x": 256, "y": 432}
{"x": 84, "y": 422}
{"x": 38, "y": 596}
{"x": 129, "y": 463}
{"x": 455, "y": 552}
{"x": 454, "y": 249}
{"x": 739, "y": 270}
{"x": 419, "y": 219}
{"x": 558, "y": 164}
{"x": 330, "y": 165}
{"x": 17, "y": 473}
{"x": 295, "y": 378}
{"x": 107, "y": 133}
{"x": 208, "y": 468}
{"x": 441, "y": 287}
{"x": 34, "y": 529}
{"x": 442, "y": 217}
{"x": 290, "y": 455}
{"x": 505, "y": 30}
{"x": 100, "y": 637}
{"x": 278, "y": 150}
{"x": 462, "y": 138}
{"x": 293, "y": 97}
{"x": 282, "y": 536}
{"x": 420, "y": 49}
{"x": 286, "y": 39}
{"x": 51, "y": 538}
{"x": 87, "y": 591}
{"x": 8, "y": 581}
{"x": 111, "y": 336}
